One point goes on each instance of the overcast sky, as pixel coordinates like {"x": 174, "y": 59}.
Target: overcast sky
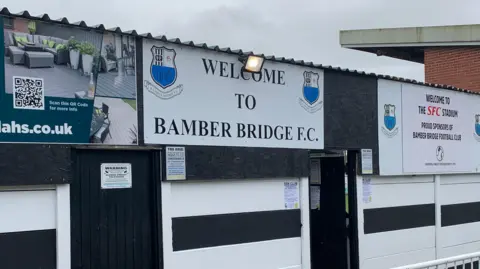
{"x": 302, "y": 29}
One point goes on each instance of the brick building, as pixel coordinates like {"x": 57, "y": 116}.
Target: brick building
{"x": 450, "y": 54}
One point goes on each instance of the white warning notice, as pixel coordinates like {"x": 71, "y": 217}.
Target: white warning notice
{"x": 116, "y": 175}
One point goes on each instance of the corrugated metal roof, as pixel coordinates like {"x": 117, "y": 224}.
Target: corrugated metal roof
{"x": 101, "y": 27}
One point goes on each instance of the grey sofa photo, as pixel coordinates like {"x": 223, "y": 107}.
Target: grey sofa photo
{"x": 17, "y": 53}
{"x": 34, "y": 59}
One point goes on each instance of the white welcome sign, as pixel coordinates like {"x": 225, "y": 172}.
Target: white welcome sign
{"x": 425, "y": 130}
{"x": 198, "y": 97}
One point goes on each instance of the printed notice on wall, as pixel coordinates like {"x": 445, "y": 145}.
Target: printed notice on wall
{"x": 116, "y": 175}
{"x": 367, "y": 190}
{"x": 315, "y": 197}
{"x": 175, "y": 159}
{"x": 367, "y": 161}
{"x": 290, "y": 194}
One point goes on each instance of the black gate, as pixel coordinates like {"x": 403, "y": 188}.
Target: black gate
{"x": 116, "y": 228}
{"x": 328, "y": 231}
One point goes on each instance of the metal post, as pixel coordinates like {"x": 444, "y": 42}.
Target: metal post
{"x": 438, "y": 219}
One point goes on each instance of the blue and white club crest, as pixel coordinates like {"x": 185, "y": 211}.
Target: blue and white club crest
{"x": 311, "y": 98}
{"x": 477, "y": 124}
{"x": 390, "y": 127}
{"x": 311, "y": 91}
{"x": 476, "y": 134}
{"x": 389, "y": 118}
{"x": 163, "y": 68}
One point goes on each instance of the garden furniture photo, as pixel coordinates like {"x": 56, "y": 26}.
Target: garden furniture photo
{"x": 35, "y": 59}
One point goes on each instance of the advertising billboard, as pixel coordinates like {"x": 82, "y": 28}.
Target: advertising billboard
{"x": 69, "y": 85}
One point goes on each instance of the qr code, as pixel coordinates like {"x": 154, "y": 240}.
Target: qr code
{"x": 28, "y": 93}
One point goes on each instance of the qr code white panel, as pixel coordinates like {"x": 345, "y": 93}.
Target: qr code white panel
{"x": 28, "y": 93}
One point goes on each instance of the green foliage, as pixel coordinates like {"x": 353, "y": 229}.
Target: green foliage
{"x": 87, "y": 48}
{"x": 73, "y": 44}
{"x": 59, "y": 47}
{"x": 32, "y": 27}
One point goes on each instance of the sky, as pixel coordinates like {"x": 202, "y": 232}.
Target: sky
{"x": 301, "y": 29}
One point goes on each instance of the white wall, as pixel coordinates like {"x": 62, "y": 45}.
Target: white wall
{"x": 464, "y": 238}
{"x": 181, "y": 199}
{"x": 37, "y": 208}
{"x": 63, "y": 226}
{"x": 385, "y": 250}
{"x": 25, "y": 210}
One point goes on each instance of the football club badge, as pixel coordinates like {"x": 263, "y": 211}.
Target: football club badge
{"x": 164, "y": 73}
{"x": 311, "y": 99}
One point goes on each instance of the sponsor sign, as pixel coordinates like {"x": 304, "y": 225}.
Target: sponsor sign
{"x": 66, "y": 85}
{"x": 198, "y": 97}
{"x": 438, "y": 131}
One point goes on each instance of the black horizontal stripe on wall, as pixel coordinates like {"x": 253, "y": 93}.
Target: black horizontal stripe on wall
{"x": 31, "y": 164}
{"x": 221, "y": 163}
{"x": 456, "y": 214}
{"x": 27, "y": 250}
{"x": 228, "y": 229}
{"x": 377, "y": 220}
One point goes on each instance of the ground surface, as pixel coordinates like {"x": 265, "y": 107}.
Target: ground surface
{"x": 123, "y": 119}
